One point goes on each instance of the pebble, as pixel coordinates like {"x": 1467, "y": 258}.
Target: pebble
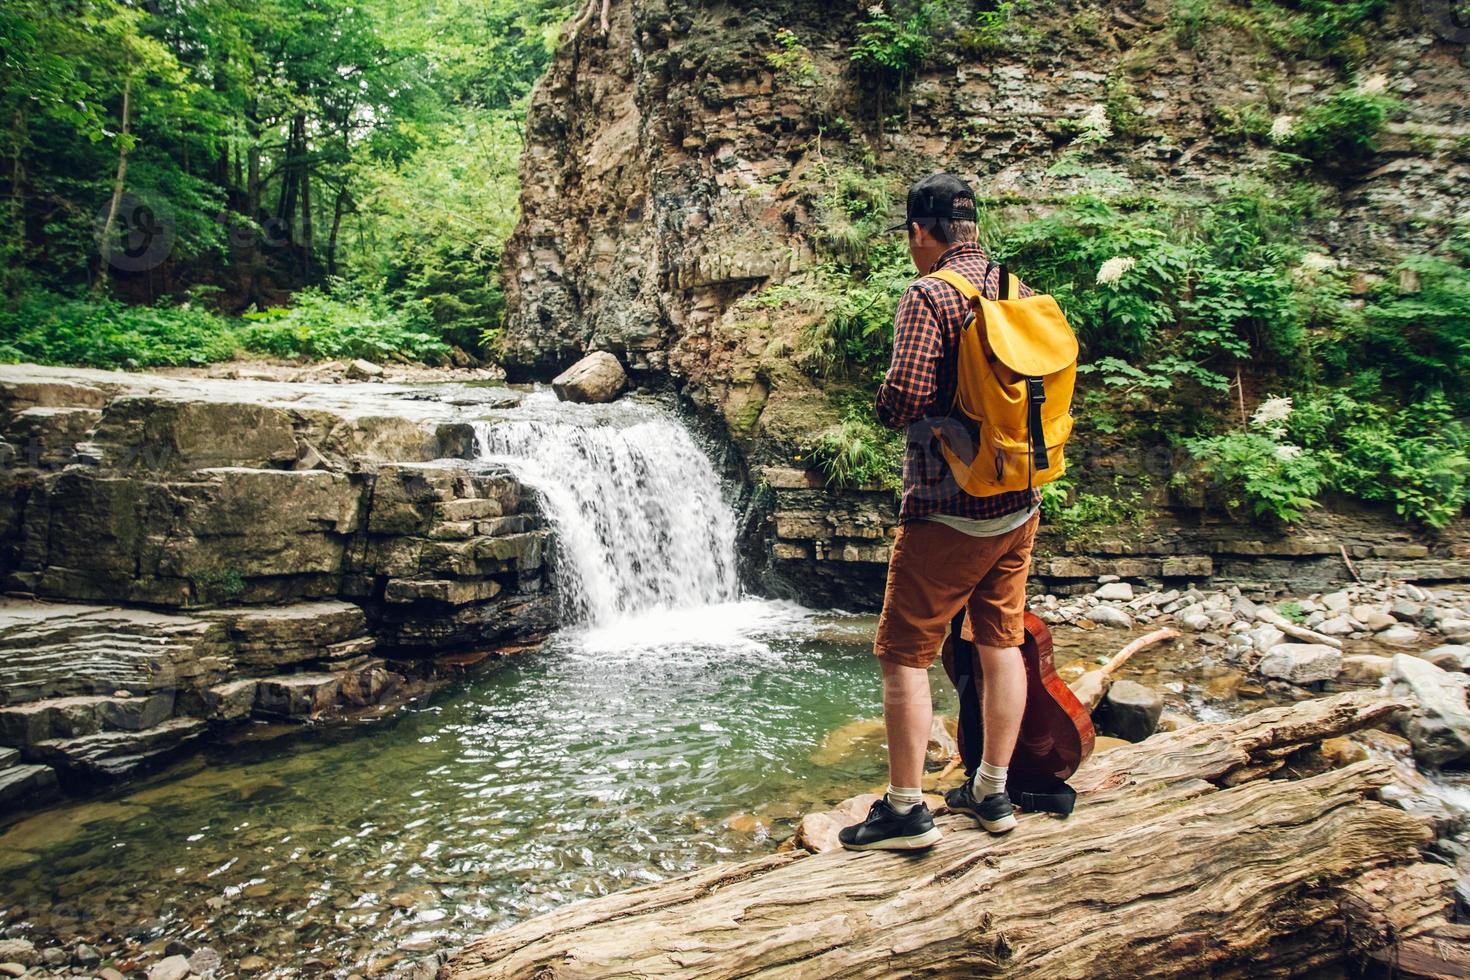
{"x": 109, "y": 973}
{"x": 1131, "y": 711}
{"x": 12, "y": 969}
{"x": 1449, "y": 656}
{"x": 174, "y": 967}
{"x": 1399, "y": 636}
{"x": 85, "y": 956}
{"x": 253, "y": 964}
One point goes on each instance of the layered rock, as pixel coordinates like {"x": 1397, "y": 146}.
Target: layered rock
{"x": 673, "y": 171}
{"x": 279, "y": 550}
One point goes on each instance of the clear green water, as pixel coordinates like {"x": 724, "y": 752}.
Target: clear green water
{"x": 592, "y": 765}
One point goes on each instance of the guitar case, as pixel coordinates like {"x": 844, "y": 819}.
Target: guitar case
{"x": 1056, "y": 730}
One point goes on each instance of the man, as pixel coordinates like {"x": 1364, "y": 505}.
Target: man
{"x": 953, "y": 552}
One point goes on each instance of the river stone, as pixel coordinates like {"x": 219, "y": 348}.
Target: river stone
{"x": 174, "y": 967}
{"x": 1449, "y": 656}
{"x": 1198, "y": 622}
{"x": 1106, "y": 615}
{"x": 817, "y": 832}
{"x": 85, "y": 956}
{"x": 1131, "y": 711}
{"x": 1115, "y": 592}
{"x": 1301, "y": 663}
{"x": 1365, "y": 668}
{"x": 12, "y": 970}
{"x": 1405, "y": 610}
{"x": 362, "y": 370}
{"x": 20, "y": 951}
{"x": 1337, "y": 601}
{"x": 1336, "y": 626}
{"x": 596, "y": 378}
{"x": 1439, "y": 729}
{"x": 1399, "y": 636}
{"x": 1266, "y": 636}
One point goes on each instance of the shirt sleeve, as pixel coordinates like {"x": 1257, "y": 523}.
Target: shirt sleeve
{"x": 909, "y": 387}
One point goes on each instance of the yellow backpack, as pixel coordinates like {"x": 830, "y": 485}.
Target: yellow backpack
{"x": 1017, "y": 370}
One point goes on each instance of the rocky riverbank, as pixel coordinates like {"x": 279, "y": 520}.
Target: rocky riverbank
{"x": 181, "y": 554}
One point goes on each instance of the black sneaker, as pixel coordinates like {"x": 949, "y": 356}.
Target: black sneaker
{"x": 995, "y": 812}
{"x": 887, "y": 829}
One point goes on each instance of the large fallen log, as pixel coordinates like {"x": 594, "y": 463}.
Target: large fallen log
{"x": 1182, "y": 859}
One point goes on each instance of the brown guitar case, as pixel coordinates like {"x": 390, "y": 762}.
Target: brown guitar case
{"x": 1056, "y": 730}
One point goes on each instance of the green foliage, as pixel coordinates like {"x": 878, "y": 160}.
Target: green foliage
{"x": 894, "y": 39}
{"x": 1257, "y": 468}
{"x": 998, "y": 30}
{"x": 1415, "y": 459}
{"x": 1293, "y": 611}
{"x": 792, "y": 60}
{"x": 1320, "y": 28}
{"x": 859, "y": 453}
{"x": 48, "y": 328}
{"x": 1414, "y": 330}
{"x": 349, "y": 322}
{"x": 1076, "y": 512}
{"x": 1340, "y": 133}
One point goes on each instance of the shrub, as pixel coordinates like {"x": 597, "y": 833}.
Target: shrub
{"x": 859, "y": 452}
{"x": 1257, "y": 468}
{"x": 1075, "y": 511}
{"x": 792, "y": 60}
{"x": 1340, "y": 133}
{"x": 49, "y": 328}
{"x": 348, "y": 322}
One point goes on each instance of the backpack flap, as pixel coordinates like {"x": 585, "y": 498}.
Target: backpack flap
{"x": 1030, "y": 336}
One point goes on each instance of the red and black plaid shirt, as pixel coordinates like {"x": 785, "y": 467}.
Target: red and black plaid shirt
{"x": 920, "y": 386}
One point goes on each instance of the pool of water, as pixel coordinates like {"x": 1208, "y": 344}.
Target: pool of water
{"x": 611, "y": 757}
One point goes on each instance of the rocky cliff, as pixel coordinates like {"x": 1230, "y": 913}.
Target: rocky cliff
{"x": 673, "y": 171}
{"x": 244, "y": 550}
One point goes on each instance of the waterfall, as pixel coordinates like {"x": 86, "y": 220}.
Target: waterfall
{"x": 640, "y": 522}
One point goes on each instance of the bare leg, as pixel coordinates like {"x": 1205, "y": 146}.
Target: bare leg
{"x": 1003, "y": 702}
{"x": 908, "y": 714}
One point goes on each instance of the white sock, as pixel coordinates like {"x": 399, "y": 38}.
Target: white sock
{"x": 904, "y": 798}
{"x": 989, "y": 780}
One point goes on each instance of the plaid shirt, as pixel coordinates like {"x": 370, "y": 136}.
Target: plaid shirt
{"x": 920, "y": 388}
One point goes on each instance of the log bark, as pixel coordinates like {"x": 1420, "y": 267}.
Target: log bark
{"x": 1180, "y": 861}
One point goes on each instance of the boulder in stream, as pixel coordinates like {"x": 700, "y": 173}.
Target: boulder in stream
{"x": 1130, "y": 711}
{"x": 1439, "y": 729}
{"x": 596, "y": 378}
{"x": 1301, "y": 663}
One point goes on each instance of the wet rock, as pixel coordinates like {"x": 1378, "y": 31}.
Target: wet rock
{"x": 1337, "y": 601}
{"x": 1365, "y": 668}
{"x": 12, "y": 969}
{"x": 1301, "y": 663}
{"x": 296, "y": 695}
{"x": 1130, "y": 711}
{"x": 18, "y": 951}
{"x": 596, "y": 378}
{"x": 1198, "y": 622}
{"x": 1337, "y": 626}
{"x": 1439, "y": 729}
{"x": 110, "y": 755}
{"x": 175, "y": 967}
{"x": 1341, "y": 751}
{"x": 1114, "y": 592}
{"x": 1405, "y": 610}
{"x": 85, "y": 956}
{"x": 26, "y": 785}
{"x": 1106, "y": 615}
{"x": 109, "y": 973}
{"x": 1449, "y": 656}
{"x": 817, "y": 832}
{"x": 1172, "y": 721}
{"x": 253, "y": 964}
{"x": 54, "y": 958}
{"x": 204, "y": 961}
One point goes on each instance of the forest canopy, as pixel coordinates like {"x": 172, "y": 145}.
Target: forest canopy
{"x": 229, "y": 154}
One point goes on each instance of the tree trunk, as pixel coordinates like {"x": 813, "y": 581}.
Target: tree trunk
{"x": 338, "y": 207}
{"x": 118, "y": 181}
{"x": 305, "y": 200}
{"x": 1181, "y": 860}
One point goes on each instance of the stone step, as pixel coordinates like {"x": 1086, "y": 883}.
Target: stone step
{"x": 112, "y": 754}
{"x": 28, "y": 784}
{"x": 8, "y": 757}
{"x": 38, "y": 721}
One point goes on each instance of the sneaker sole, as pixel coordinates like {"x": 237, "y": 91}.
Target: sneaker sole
{"x": 1004, "y": 825}
{"x": 917, "y": 842}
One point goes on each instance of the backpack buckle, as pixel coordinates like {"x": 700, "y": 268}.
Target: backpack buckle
{"x": 1035, "y": 390}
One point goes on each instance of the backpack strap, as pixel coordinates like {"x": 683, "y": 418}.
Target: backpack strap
{"x": 965, "y": 287}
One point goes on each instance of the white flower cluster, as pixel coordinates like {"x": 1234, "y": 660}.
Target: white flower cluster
{"x": 1286, "y": 452}
{"x": 1270, "y": 415}
{"x": 1112, "y": 270}
{"x": 1281, "y": 128}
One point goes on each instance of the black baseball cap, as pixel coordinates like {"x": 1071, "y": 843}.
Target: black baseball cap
{"x": 933, "y": 199}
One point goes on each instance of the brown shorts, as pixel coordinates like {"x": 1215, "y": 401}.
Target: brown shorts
{"x": 935, "y": 572}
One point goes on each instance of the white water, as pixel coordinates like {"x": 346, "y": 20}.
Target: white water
{"x": 645, "y": 541}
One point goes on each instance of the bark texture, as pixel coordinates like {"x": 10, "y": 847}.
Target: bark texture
{"x": 1181, "y": 860}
